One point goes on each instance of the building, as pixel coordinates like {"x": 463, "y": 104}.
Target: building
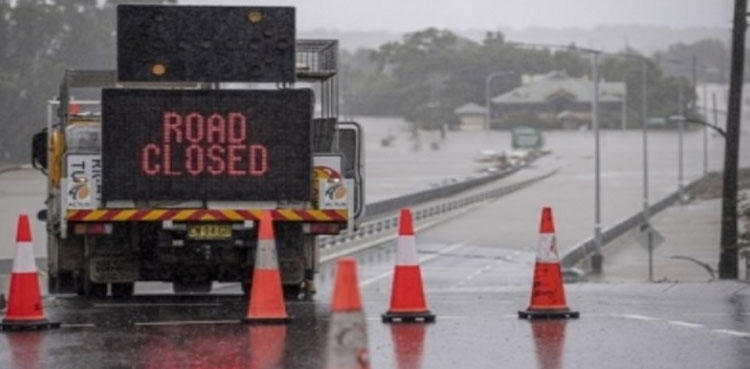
{"x": 555, "y": 100}
{"x": 471, "y": 117}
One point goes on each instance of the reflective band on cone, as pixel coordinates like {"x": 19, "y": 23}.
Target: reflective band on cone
{"x": 347, "y": 334}
{"x": 408, "y": 303}
{"x": 25, "y": 310}
{"x": 266, "y": 303}
{"x": 547, "y": 292}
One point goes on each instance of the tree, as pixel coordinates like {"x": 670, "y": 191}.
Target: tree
{"x": 42, "y": 39}
{"x": 39, "y": 40}
{"x": 429, "y": 73}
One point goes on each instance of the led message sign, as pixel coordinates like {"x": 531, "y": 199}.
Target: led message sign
{"x": 250, "y": 145}
{"x": 205, "y": 43}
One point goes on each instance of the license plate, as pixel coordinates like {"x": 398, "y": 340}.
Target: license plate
{"x": 209, "y": 232}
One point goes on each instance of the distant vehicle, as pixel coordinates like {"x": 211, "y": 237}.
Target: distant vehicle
{"x": 164, "y": 178}
{"x": 487, "y": 156}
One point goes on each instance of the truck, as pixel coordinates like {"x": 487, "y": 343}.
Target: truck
{"x": 213, "y": 116}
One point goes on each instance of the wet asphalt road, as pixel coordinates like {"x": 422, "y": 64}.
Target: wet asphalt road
{"x": 475, "y": 289}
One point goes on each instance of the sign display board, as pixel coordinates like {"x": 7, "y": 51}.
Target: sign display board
{"x": 205, "y": 43}
{"x": 248, "y": 145}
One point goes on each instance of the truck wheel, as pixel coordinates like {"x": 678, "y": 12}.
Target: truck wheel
{"x": 292, "y": 292}
{"x": 91, "y": 289}
{"x": 192, "y": 287}
{"x": 122, "y": 290}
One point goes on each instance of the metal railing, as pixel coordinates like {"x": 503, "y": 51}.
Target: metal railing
{"x": 585, "y": 248}
{"x": 427, "y": 206}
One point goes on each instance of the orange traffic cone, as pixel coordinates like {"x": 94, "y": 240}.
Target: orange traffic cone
{"x": 407, "y": 295}
{"x": 266, "y": 303}
{"x": 25, "y": 310}
{"x": 547, "y": 293}
{"x": 347, "y": 334}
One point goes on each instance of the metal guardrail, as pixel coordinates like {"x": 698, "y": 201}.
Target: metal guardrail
{"x": 377, "y": 209}
{"x": 428, "y": 209}
{"x": 382, "y": 217}
{"x": 586, "y": 248}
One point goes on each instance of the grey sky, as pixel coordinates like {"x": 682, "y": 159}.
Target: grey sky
{"x": 409, "y": 15}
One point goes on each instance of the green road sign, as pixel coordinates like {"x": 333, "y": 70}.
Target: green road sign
{"x": 528, "y": 138}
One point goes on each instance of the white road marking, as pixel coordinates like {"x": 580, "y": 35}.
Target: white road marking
{"x": 156, "y": 304}
{"x": 685, "y": 324}
{"x": 486, "y": 268}
{"x": 422, "y": 260}
{"x": 187, "y": 322}
{"x": 731, "y": 332}
{"x": 451, "y": 317}
{"x": 81, "y": 325}
{"x": 639, "y": 317}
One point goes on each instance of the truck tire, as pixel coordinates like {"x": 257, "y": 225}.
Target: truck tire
{"x": 292, "y": 292}
{"x": 122, "y": 290}
{"x": 91, "y": 289}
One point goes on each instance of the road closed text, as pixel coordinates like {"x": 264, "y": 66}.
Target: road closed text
{"x": 196, "y": 144}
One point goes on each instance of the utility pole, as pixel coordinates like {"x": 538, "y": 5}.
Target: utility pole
{"x": 596, "y": 259}
{"x": 646, "y": 212}
{"x": 728, "y": 257}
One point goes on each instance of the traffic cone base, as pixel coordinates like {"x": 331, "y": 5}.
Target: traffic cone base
{"x": 406, "y": 317}
{"x": 30, "y": 325}
{"x": 549, "y": 314}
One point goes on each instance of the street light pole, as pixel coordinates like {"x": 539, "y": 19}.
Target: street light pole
{"x": 597, "y": 258}
{"x": 488, "y": 104}
{"x": 705, "y": 131}
{"x": 646, "y": 210}
{"x": 680, "y": 123}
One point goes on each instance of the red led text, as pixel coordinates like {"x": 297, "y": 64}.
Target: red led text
{"x": 197, "y": 144}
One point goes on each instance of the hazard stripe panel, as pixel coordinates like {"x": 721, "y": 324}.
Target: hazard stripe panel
{"x": 204, "y": 215}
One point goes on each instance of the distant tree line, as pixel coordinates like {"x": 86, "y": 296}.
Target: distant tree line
{"x": 423, "y": 77}
{"x": 39, "y": 40}
{"x": 429, "y": 73}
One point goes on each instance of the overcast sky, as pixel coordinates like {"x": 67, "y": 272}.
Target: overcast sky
{"x": 409, "y": 15}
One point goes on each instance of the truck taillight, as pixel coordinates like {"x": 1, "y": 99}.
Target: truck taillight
{"x": 93, "y": 228}
{"x": 324, "y": 228}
